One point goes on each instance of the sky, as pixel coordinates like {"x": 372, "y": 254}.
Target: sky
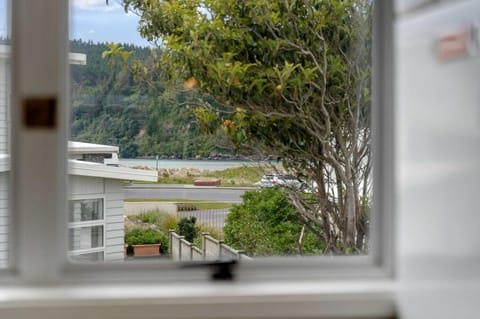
{"x": 3, "y": 18}
{"x": 94, "y": 20}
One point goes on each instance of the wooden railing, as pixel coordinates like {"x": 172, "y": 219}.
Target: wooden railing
{"x": 212, "y": 249}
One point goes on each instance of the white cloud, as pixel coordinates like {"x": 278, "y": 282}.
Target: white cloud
{"x": 97, "y": 5}
{"x": 91, "y": 31}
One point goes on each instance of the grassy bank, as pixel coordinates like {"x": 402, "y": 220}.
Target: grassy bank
{"x": 235, "y": 176}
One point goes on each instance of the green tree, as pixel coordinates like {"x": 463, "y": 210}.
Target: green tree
{"x": 115, "y": 105}
{"x": 267, "y": 224}
{"x": 187, "y": 228}
{"x": 289, "y": 78}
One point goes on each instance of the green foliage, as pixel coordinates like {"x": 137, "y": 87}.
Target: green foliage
{"x": 111, "y": 105}
{"x": 287, "y": 78}
{"x": 139, "y": 236}
{"x": 238, "y": 176}
{"x": 185, "y": 207}
{"x": 265, "y": 224}
{"x": 168, "y": 222}
{"x": 160, "y": 220}
{"x": 187, "y": 228}
{"x": 151, "y": 217}
{"x": 252, "y": 174}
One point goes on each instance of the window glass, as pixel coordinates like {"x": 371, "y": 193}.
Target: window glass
{"x": 86, "y": 210}
{"x": 252, "y": 119}
{"x": 86, "y": 230}
{"x": 85, "y": 237}
{"x": 88, "y": 257}
{"x": 5, "y": 90}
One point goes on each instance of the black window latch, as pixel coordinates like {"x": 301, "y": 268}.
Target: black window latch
{"x": 222, "y": 269}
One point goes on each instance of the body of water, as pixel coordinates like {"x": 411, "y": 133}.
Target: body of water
{"x": 196, "y": 164}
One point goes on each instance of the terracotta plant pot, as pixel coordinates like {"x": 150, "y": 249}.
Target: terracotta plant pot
{"x": 144, "y": 250}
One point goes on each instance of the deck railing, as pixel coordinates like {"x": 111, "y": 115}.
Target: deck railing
{"x": 212, "y": 249}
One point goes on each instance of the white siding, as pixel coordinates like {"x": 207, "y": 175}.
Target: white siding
{"x": 80, "y": 185}
{"x": 4, "y": 133}
{"x": 4, "y": 104}
{"x": 4, "y": 219}
{"x": 114, "y": 232}
{"x": 112, "y": 192}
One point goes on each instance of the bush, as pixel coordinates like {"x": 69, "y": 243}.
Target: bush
{"x": 266, "y": 224}
{"x": 168, "y": 222}
{"x": 139, "y": 236}
{"x": 186, "y": 227}
{"x": 163, "y": 221}
{"x": 186, "y": 207}
{"x": 151, "y": 217}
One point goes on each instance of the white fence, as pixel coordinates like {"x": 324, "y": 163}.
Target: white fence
{"x": 214, "y": 218}
{"x": 212, "y": 249}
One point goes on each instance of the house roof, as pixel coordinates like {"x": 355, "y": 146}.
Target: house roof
{"x": 82, "y": 168}
{"x": 88, "y": 148}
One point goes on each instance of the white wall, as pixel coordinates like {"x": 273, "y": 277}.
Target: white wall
{"x": 438, "y": 161}
{"x": 112, "y": 191}
{"x": 4, "y": 219}
{"x": 115, "y": 226}
{"x": 4, "y": 102}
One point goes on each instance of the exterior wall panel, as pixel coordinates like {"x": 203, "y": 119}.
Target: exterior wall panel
{"x": 112, "y": 192}
{"x": 114, "y": 220}
{"x": 4, "y": 104}
{"x": 81, "y": 185}
{"x": 4, "y": 219}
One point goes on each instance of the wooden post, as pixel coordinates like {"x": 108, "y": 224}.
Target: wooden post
{"x": 170, "y": 242}
{"x": 204, "y": 244}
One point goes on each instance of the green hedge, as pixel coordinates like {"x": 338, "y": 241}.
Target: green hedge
{"x": 139, "y": 236}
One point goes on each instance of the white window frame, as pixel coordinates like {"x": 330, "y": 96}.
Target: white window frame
{"x": 318, "y": 287}
{"x": 91, "y": 223}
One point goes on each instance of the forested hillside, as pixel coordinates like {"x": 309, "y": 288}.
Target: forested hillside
{"x": 110, "y": 107}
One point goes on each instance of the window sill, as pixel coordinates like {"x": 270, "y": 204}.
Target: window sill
{"x": 368, "y": 299}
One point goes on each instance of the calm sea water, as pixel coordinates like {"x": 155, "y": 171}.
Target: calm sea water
{"x": 197, "y": 164}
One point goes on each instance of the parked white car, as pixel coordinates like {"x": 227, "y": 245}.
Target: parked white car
{"x": 281, "y": 180}
{"x": 267, "y": 181}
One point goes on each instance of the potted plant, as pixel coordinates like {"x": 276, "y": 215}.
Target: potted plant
{"x": 144, "y": 242}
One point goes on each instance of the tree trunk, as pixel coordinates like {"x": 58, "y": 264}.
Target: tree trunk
{"x": 351, "y": 223}
{"x": 361, "y": 233}
{"x": 324, "y": 214}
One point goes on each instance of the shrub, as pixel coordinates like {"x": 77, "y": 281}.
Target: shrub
{"x": 265, "y": 223}
{"x": 162, "y": 220}
{"x": 168, "y": 222}
{"x": 139, "y": 236}
{"x": 186, "y": 207}
{"x": 151, "y": 217}
{"x": 186, "y": 227}
{"x": 164, "y": 245}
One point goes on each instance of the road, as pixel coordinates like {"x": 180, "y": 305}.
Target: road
{"x": 164, "y": 191}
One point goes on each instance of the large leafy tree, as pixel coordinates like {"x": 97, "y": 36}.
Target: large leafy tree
{"x": 289, "y": 78}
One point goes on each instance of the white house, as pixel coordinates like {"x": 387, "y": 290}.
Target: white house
{"x": 96, "y": 210}
{"x": 95, "y": 216}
